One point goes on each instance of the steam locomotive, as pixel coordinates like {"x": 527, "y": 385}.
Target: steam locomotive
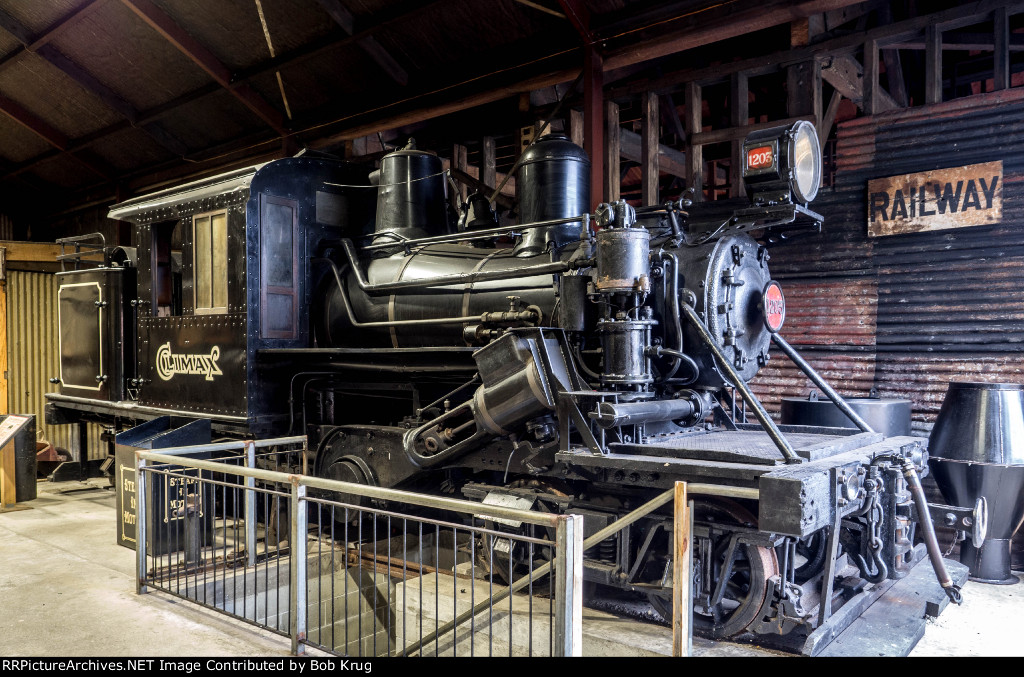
{"x": 568, "y": 361}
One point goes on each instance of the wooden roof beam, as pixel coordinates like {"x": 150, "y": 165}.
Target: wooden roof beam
{"x": 41, "y": 46}
{"x": 578, "y": 14}
{"x": 890, "y": 36}
{"x": 32, "y": 43}
{"x": 343, "y": 17}
{"x": 403, "y": 12}
{"x": 541, "y": 8}
{"x": 163, "y": 24}
{"x": 36, "y": 125}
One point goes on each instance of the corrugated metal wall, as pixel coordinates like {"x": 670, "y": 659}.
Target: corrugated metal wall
{"x": 6, "y": 227}
{"x": 909, "y": 313}
{"x": 33, "y": 355}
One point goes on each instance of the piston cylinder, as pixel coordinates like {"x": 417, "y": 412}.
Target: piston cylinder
{"x": 625, "y": 358}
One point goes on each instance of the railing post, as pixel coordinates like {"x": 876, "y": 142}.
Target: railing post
{"x": 297, "y": 562}
{"x": 250, "y": 505}
{"x": 569, "y": 586}
{"x": 140, "y": 525}
{"x": 682, "y": 580}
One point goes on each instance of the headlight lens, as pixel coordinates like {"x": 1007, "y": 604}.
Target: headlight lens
{"x": 782, "y": 164}
{"x": 806, "y": 161}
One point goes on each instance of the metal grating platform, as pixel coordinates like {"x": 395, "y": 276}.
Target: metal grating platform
{"x": 741, "y": 446}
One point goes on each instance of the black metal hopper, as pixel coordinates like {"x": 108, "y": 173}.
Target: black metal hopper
{"x": 977, "y": 450}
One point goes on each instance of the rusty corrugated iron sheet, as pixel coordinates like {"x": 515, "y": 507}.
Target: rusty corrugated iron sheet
{"x": 851, "y": 373}
{"x": 33, "y": 356}
{"x": 945, "y": 305}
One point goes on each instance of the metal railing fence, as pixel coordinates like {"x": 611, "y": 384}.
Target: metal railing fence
{"x": 351, "y": 569}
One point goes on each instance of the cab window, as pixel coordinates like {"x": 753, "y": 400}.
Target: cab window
{"x": 210, "y": 262}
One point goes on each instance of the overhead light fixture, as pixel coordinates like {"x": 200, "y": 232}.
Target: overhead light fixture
{"x": 782, "y": 164}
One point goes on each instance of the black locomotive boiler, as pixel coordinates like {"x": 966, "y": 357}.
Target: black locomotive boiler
{"x": 573, "y": 361}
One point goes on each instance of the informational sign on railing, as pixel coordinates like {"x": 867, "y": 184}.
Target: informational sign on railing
{"x": 941, "y": 199}
{"x": 9, "y": 427}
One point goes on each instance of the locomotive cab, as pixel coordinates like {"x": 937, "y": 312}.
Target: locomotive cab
{"x": 220, "y": 272}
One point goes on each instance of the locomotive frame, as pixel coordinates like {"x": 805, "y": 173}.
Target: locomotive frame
{"x": 586, "y": 364}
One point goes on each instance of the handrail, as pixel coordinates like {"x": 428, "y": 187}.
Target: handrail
{"x": 363, "y": 490}
{"x": 616, "y": 526}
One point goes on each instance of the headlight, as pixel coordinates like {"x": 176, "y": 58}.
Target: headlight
{"x": 782, "y": 164}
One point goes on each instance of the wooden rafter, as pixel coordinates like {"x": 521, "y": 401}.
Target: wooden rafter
{"x": 167, "y": 27}
{"x": 40, "y": 45}
{"x": 893, "y": 36}
{"x": 343, "y": 17}
{"x": 149, "y": 118}
{"x": 684, "y": 37}
{"x": 578, "y": 14}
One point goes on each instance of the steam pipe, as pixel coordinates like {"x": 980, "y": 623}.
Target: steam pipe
{"x": 459, "y": 278}
{"x": 612, "y": 414}
{"x": 504, "y": 316}
{"x": 694, "y": 369}
{"x": 925, "y": 520}
{"x": 478, "y": 234}
{"x": 674, "y": 305}
{"x": 766, "y": 422}
{"x": 816, "y": 378}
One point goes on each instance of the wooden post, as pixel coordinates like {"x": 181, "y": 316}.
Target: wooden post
{"x": 871, "y": 101}
{"x": 739, "y": 105}
{"x": 829, "y": 119}
{"x": 612, "y": 151}
{"x": 650, "y": 138}
{"x": 593, "y": 118}
{"x": 893, "y": 63}
{"x": 568, "y": 626}
{"x": 1001, "y": 51}
{"x": 682, "y": 579}
{"x": 576, "y": 127}
{"x": 694, "y": 153}
{"x": 460, "y": 162}
{"x": 932, "y": 64}
{"x": 3, "y": 333}
{"x": 488, "y": 163}
{"x": 803, "y": 84}
{"x": 8, "y": 468}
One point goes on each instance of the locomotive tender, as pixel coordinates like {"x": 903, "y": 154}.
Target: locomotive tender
{"x": 573, "y": 362}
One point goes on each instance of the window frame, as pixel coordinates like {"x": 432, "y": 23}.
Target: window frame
{"x": 211, "y": 309}
{"x": 268, "y": 290}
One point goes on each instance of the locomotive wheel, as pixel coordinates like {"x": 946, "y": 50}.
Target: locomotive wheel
{"x": 747, "y": 587}
{"x": 811, "y": 551}
{"x": 508, "y": 567}
{"x": 348, "y": 468}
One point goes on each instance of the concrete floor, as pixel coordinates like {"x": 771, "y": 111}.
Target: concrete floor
{"x": 67, "y": 589}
